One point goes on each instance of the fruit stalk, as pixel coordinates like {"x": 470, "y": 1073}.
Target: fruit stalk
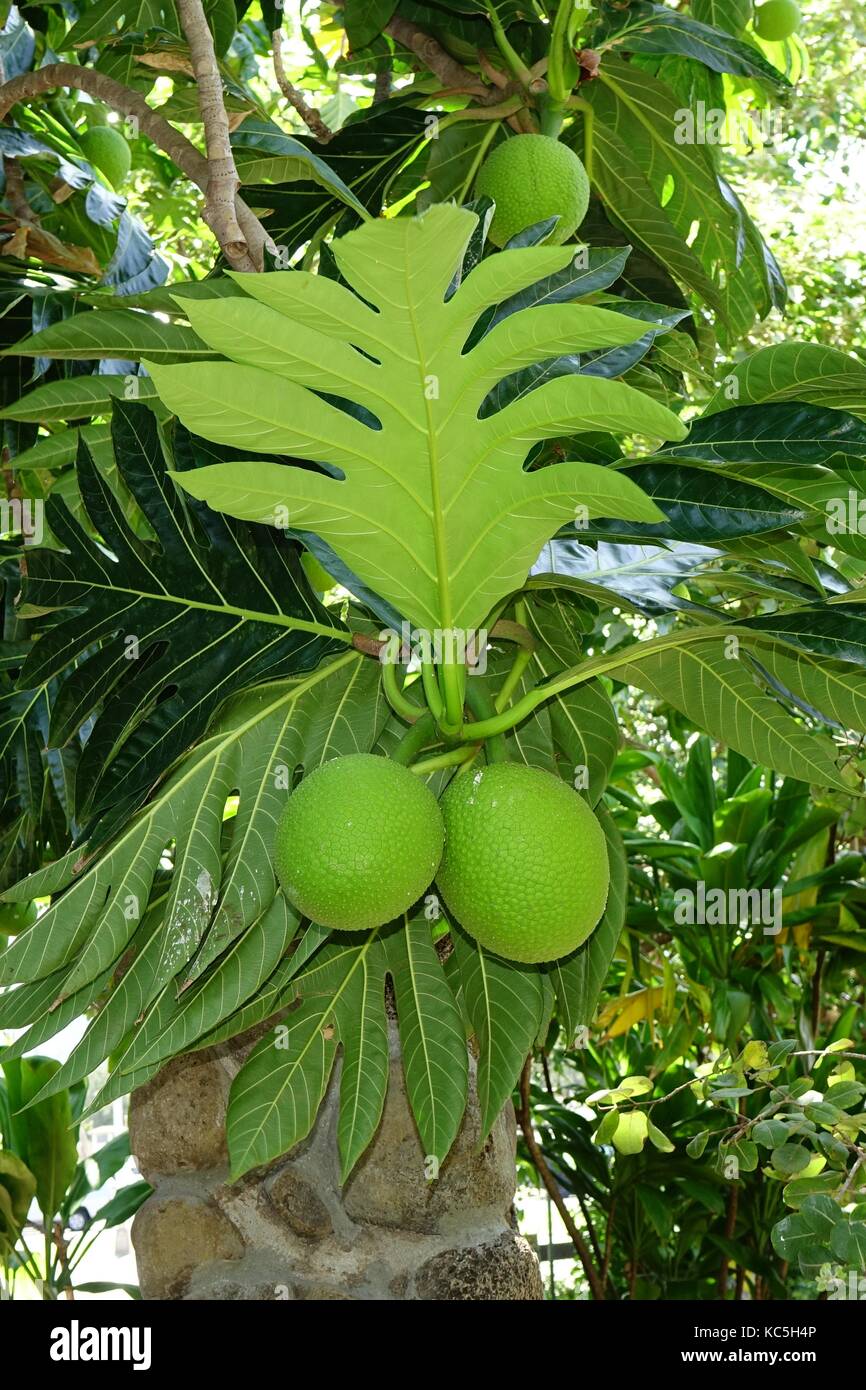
{"x": 422, "y": 732}
{"x": 400, "y": 704}
{"x": 481, "y": 705}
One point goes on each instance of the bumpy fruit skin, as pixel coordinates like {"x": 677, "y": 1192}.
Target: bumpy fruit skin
{"x": 105, "y": 148}
{"x": 777, "y": 19}
{"x": 525, "y": 869}
{"x": 530, "y": 178}
{"x": 359, "y": 841}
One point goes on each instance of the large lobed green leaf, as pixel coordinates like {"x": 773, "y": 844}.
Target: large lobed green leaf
{"x": 434, "y": 510}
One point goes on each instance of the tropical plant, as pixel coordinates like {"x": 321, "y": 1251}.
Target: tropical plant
{"x": 39, "y": 1162}
{"x": 702, "y": 1139}
{"x": 526, "y": 470}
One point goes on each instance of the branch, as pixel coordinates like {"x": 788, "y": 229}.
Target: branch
{"x": 434, "y": 56}
{"x": 431, "y": 53}
{"x": 382, "y": 87}
{"x": 222, "y": 182}
{"x": 308, "y": 114}
{"x": 119, "y": 98}
{"x": 524, "y": 1115}
{"x": 129, "y": 103}
{"x": 494, "y": 75}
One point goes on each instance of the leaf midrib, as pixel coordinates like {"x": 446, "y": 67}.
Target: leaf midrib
{"x": 440, "y": 545}
{"x": 246, "y": 614}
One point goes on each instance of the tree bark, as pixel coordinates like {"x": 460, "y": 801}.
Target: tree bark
{"x": 223, "y": 183}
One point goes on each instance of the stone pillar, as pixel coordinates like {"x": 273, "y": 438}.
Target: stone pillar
{"x": 289, "y": 1231}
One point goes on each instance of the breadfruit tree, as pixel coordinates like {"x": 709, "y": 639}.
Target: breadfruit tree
{"x": 450, "y": 432}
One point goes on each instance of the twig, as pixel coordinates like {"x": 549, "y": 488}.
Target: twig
{"x": 483, "y": 113}
{"x": 524, "y": 1116}
{"x": 431, "y": 53}
{"x": 370, "y": 646}
{"x": 548, "y": 1084}
{"x": 823, "y": 1054}
{"x": 493, "y": 74}
{"x": 608, "y": 1245}
{"x": 129, "y": 103}
{"x": 121, "y": 99}
{"x": 223, "y": 182}
{"x": 587, "y": 1221}
{"x": 740, "y": 1283}
{"x": 850, "y": 1178}
{"x": 308, "y": 114}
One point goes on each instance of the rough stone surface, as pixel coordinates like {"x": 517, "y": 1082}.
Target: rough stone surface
{"x": 173, "y": 1238}
{"x": 297, "y": 1202}
{"x": 390, "y": 1187}
{"x": 178, "y": 1120}
{"x": 503, "y": 1269}
{"x": 291, "y": 1232}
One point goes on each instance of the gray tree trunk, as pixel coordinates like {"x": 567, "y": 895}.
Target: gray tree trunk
{"x": 289, "y": 1231}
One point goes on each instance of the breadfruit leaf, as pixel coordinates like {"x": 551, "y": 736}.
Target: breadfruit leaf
{"x": 428, "y": 503}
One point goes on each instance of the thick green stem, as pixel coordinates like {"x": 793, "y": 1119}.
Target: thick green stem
{"x": 480, "y": 155}
{"x": 407, "y": 709}
{"x": 451, "y": 758}
{"x": 562, "y": 69}
{"x": 512, "y": 58}
{"x": 513, "y": 679}
{"x": 422, "y": 732}
{"x": 583, "y": 106}
{"x": 432, "y": 694}
{"x": 482, "y": 707}
{"x": 515, "y": 632}
{"x": 453, "y": 677}
{"x": 586, "y": 671}
{"x": 551, "y": 116}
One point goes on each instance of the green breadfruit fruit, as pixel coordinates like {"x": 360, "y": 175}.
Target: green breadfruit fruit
{"x": 777, "y": 20}
{"x": 104, "y": 147}
{"x": 525, "y": 869}
{"x": 359, "y": 841}
{"x": 531, "y": 178}
{"x": 96, "y": 115}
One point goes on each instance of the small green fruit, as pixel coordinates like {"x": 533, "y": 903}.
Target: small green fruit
{"x": 776, "y": 20}
{"x": 359, "y": 841}
{"x": 105, "y": 148}
{"x": 96, "y": 115}
{"x": 531, "y": 178}
{"x": 525, "y": 869}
